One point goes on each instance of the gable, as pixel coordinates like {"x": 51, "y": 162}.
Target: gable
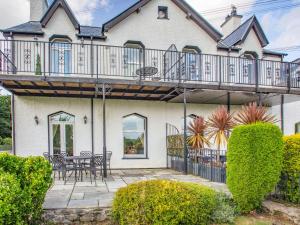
{"x": 59, "y": 4}
{"x": 252, "y": 43}
{"x": 145, "y": 26}
{"x": 239, "y": 35}
{"x": 191, "y": 14}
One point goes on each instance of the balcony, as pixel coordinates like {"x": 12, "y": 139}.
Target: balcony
{"x": 29, "y": 67}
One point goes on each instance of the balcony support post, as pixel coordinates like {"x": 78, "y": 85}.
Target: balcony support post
{"x": 104, "y": 129}
{"x": 228, "y": 101}
{"x": 185, "y": 150}
{"x": 13, "y": 124}
{"x": 282, "y": 113}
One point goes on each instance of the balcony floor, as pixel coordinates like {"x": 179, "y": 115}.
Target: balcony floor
{"x": 132, "y": 89}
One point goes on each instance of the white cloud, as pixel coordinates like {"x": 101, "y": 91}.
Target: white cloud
{"x": 217, "y": 18}
{"x": 288, "y": 26}
{"x": 13, "y": 12}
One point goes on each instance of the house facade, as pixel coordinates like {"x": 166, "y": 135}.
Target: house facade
{"x": 117, "y": 87}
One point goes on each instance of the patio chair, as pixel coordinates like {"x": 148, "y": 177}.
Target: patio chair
{"x": 108, "y": 158}
{"x": 47, "y": 156}
{"x": 96, "y": 165}
{"x": 58, "y": 165}
{"x": 86, "y": 163}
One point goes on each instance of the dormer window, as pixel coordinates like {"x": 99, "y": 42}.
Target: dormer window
{"x": 162, "y": 12}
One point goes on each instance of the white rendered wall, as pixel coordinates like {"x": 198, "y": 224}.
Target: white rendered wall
{"x": 32, "y": 139}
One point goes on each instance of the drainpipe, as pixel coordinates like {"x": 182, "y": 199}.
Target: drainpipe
{"x": 104, "y": 131}
{"x": 92, "y": 124}
{"x": 228, "y": 101}
{"x": 13, "y": 124}
{"x": 185, "y": 134}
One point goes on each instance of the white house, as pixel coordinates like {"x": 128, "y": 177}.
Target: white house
{"x": 116, "y": 87}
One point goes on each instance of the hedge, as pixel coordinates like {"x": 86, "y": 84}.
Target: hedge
{"x": 289, "y": 184}
{"x": 32, "y": 176}
{"x": 163, "y": 202}
{"x": 254, "y": 162}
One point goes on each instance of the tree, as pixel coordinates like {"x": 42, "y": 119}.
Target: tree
{"x": 38, "y": 67}
{"x": 197, "y": 128}
{"x": 5, "y": 121}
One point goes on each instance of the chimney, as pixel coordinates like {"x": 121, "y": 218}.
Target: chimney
{"x": 232, "y": 21}
{"x": 37, "y": 9}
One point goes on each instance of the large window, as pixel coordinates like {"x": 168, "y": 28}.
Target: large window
{"x": 134, "y": 136}
{"x": 133, "y": 57}
{"x": 61, "y": 126}
{"x": 192, "y": 62}
{"x": 61, "y": 57}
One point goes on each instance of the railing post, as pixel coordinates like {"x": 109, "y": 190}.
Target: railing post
{"x": 289, "y": 78}
{"x": 44, "y": 60}
{"x": 92, "y": 58}
{"x": 180, "y": 69}
{"x": 220, "y": 70}
{"x": 256, "y": 75}
{"x": 97, "y": 63}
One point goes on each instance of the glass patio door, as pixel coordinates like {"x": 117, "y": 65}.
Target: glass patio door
{"x": 61, "y": 58}
{"x": 61, "y": 134}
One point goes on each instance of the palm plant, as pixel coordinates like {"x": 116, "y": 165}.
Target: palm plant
{"x": 220, "y": 124}
{"x": 197, "y": 139}
{"x": 253, "y": 113}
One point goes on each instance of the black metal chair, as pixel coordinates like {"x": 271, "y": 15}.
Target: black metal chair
{"x": 47, "y": 156}
{"x": 86, "y": 163}
{"x": 108, "y": 158}
{"x": 58, "y": 165}
{"x": 96, "y": 165}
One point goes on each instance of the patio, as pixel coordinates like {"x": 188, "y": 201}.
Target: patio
{"x": 83, "y": 195}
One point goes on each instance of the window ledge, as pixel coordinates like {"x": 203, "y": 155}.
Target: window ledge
{"x": 126, "y": 158}
{"x": 167, "y": 18}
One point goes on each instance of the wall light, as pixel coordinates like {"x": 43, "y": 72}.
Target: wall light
{"x": 85, "y": 119}
{"x": 36, "y": 119}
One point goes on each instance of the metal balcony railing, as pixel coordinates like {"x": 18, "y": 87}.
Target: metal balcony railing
{"x": 103, "y": 61}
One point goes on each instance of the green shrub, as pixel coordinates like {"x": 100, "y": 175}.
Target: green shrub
{"x": 225, "y": 211}
{"x": 33, "y": 175}
{"x": 163, "y": 202}
{"x": 254, "y": 162}
{"x": 289, "y": 184}
{"x": 1, "y": 140}
{"x": 7, "y": 141}
{"x": 10, "y": 193}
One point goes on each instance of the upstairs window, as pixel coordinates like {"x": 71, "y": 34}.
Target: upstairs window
{"x": 162, "y": 12}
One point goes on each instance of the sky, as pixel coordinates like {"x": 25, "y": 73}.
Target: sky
{"x": 280, "y": 19}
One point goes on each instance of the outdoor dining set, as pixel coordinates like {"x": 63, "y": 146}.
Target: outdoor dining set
{"x": 87, "y": 162}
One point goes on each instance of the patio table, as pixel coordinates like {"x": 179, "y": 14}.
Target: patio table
{"x": 78, "y": 161}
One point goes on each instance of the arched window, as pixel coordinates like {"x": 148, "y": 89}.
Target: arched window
{"x": 61, "y": 127}
{"x": 61, "y": 53}
{"x": 133, "y": 57}
{"x": 192, "y": 62}
{"x": 297, "y": 128}
{"x": 134, "y": 136}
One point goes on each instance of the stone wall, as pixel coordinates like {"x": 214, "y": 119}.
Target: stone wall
{"x": 77, "y": 216}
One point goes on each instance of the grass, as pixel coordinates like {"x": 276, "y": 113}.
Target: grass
{"x": 262, "y": 219}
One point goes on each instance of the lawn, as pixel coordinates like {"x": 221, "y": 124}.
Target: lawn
{"x": 262, "y": 219}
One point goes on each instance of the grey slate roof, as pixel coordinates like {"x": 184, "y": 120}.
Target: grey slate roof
{"x": 242, "y": 31}
{"x": 31, "y": 27}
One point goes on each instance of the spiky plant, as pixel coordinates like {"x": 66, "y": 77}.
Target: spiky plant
{"x": 197, "y": 139}
{"x": 220, "y": 123}
{"x": 253, "y": 113}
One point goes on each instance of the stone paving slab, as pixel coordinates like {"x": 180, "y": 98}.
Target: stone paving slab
{"x": 101, "y": 193}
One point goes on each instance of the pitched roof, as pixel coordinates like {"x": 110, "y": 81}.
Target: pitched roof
{"x": 180, "y": 3}
{"x": 31, "y": 27}
{"x": 53, "y": 7}
{"x": 239, "y": 35}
